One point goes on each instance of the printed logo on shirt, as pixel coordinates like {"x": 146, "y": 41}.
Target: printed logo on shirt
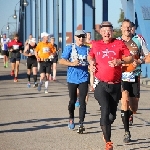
{"x": 108, "y": 53}
{"x": 82, "y": 60}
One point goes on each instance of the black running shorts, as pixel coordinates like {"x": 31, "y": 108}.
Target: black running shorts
{"x": 5, "y": 53}
{"x": 132, "y": 87}
{"x": 45, "y": 67}
{"x": 31, "y": 62}
{"x": 55, "y": 60}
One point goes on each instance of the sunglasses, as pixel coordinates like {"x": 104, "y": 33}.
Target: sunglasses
{"x": 82, "y": 35}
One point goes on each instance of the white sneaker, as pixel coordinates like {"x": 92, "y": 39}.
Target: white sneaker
{"x": 46, "y": 91}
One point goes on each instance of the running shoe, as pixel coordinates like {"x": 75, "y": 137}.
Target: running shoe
{"x": 71, "y": 124}
{"x": 46, "y": 91}
{"x": 77, "y": 104}
{"x": 35, "y": 85}
{"x": 80, "y": 129}
{"x": 28, "y": 85}
{"x": 12, "y": 73}
{"x": 127, "y": 137}
{"x": 15, "y": 79}
{"x": 109, "y": 146}
{"x": 131, "y": 120}
{"x": 39, "y": 87}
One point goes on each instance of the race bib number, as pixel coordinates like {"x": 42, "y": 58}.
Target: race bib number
{"x": 83, "y": 60}
{"x": 15, "y": 47}
{"x": 46, "y": 49}
{"x": 32, "y": 52}
{"x": 128, "y": 76}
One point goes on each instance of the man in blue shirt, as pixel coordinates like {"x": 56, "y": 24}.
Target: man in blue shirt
{"x": 4, "y": 47}
{"x": 75, "y": 57}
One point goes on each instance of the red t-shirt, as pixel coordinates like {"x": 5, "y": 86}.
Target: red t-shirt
{"x": 104, "y": 52}
{"x": 15, "y": 44}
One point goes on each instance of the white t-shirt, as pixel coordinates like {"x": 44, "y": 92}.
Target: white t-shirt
{"x": 5, "y": 43}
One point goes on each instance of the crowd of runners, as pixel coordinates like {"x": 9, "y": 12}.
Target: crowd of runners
{"x": 109, "y": 67}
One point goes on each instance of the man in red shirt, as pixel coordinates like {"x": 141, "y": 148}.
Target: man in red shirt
{"x": 15, "y": 47}
{"x": 105, "y": 58}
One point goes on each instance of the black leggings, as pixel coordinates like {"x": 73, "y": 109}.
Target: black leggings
{"x": 83, "y": 89}
{"x": 108, "y": 96}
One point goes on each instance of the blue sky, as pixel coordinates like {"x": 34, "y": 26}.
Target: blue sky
{"x": 6, "y": 11}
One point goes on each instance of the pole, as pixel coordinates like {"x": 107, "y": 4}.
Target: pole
{"x": 93, "y": 31}
{"x": 16, "y": 25}
{"x": 8, "y": 30}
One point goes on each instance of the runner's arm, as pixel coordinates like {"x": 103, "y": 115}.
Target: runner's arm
{"x": 65, "y": 57}
{"x": 65, "y": 62}
{"x": 127, "y": 58}
{"x": 25, "y": 50}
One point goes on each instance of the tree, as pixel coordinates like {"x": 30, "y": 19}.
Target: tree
{"x": 121, "y": 18}
{"x": 97, "y": 36}
{"x": 117, "y": 32}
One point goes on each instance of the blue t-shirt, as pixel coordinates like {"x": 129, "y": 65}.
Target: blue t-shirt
{"x": 76, "y": 74}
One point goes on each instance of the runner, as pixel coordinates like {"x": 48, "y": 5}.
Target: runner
{"x": 143, "y": 44}
{"x": 16, "y": 48}
{"x": 55, "y": 60}
{"x": 106, "y": 56}
{"x": 44, "y": 51}
{"x": 90, "y": 76}
{"x": 130, "y": 77}
{"x": 31, "y": 61}
{"x": 4, "y": 49}
{"x": 75, "y": 57}
{"x": 88, "y": 42}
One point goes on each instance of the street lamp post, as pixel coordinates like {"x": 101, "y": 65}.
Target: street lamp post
{"x": 2, "y": 30}
{"x": 25, "y": 3}
{"x": 8, "y": 25}
{"x": 8, "y": 29}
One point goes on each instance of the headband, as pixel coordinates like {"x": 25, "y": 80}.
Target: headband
{"x": 106, "y": 25}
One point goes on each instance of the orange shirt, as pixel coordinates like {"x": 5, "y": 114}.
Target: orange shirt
{"x": 44, "y": 50}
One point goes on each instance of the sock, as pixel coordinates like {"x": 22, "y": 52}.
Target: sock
{"x": 106, "y": 129}
{"x": 46, "y": 84}
{"x": 130, "y": 113}
{"x": 6, "y": 64}
{"x": 28, "y": 76}
{"x": 126, "y": 121}
{"x": 122, "y": 116}
{"x": 35, "y": 78}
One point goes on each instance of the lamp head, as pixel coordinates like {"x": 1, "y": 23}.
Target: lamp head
{"x": 7, "y": 27}
{"x": 15, "y": 15}
{"x": 25, "y": 3}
